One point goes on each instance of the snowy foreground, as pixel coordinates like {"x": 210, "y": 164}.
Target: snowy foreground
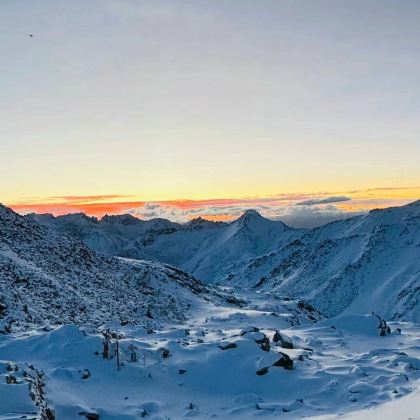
{"x": 341, "y": 367}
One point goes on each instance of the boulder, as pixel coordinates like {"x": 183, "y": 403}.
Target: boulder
{"x": 165, "y": 352}
{"x": 283, "y": 340}
{"x": 11, "y": 379}
{"x": 265, "y": 346}
{"x": 262, "y": 371}
{"x": 249, "y": 330}
{"x": 228, "y": 346}
{"x": 284, "y": 361}
{"x": 264, "y": 341}
{"x": 89, "y": 415}
{"x": 384, "y": 329}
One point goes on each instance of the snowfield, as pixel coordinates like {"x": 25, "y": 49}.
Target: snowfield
{"x": 316, "y": 323}
{"x": 215, "y": 367}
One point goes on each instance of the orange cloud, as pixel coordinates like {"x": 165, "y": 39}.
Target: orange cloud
{"x": 91, "y": 209}
{"x": 216, "y": 209}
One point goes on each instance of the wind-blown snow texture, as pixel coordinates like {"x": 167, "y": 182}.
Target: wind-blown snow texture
{"x": 215, "y": 367}
{"x": 354, "y": 266}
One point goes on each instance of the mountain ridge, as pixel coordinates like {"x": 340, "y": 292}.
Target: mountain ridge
{"x": 49, "y": 277}
{"x": 333, "y": 266}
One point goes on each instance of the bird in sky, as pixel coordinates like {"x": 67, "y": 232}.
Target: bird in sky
{"x": 31, "y": 35}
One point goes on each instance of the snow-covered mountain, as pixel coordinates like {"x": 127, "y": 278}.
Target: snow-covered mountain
{"x": 46, "y": 277}
{"x": 181, "y": 348}
{"x": 112, "y": 235}
{"x": 369, "y": 262}
{"x": 366, "y": 263}
{"x": 208, "y": 250}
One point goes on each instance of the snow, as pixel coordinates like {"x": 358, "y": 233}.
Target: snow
{"x": 341, "y": 300}
{"x": 406, "y": 408}
{"x": 209, "y": 250}
{"x": 341, "y": 366}
{"x": 354, "y": 266}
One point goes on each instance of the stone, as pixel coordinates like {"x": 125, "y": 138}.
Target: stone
{"x": 165, "y": 352}
{"x": 283, "y": 340}
{"x": 262, "y": 371}
{"x": 285, "y": 362}
{"x": 249, "y": 330}
{"x": 89, "y": 415}
{"x": 228, "y": 346}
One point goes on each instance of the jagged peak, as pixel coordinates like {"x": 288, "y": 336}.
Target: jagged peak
{"x": 196, "y": 221}
{"x": 79, "y": 217}
{"x": 42, "y": 215}
{"x": 251, "y": 214}
{"x": 200, "y": 222}
{"x": 124, "y": 219}
{"x": 252, "y": 217}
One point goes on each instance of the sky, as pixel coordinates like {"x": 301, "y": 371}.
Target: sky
{"x": 186, "y": 108}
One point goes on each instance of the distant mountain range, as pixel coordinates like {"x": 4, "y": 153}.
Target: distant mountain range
{"x": 210, "y": 250}
{"x": 49, "y": 278}
{"x": 367, "y": 263}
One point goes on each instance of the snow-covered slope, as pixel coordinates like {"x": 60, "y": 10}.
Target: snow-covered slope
{"x": 46, "y": 277}
{"x": 231, "y": 245}
{"x": 226, "y": 366}
{"x": 179, "y": 348}
{"x": 367, "y": 263}
{"x": 112, "y": 235}
{"x": 208, "y": 250}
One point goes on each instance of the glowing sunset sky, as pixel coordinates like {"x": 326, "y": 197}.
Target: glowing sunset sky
{"x": 131, "y": 105}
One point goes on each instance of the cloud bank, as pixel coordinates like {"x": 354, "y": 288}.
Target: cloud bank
{"x": 295, "y": 216}
{"x": 306, "y": 210}
{"x": 326, "y": 200}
